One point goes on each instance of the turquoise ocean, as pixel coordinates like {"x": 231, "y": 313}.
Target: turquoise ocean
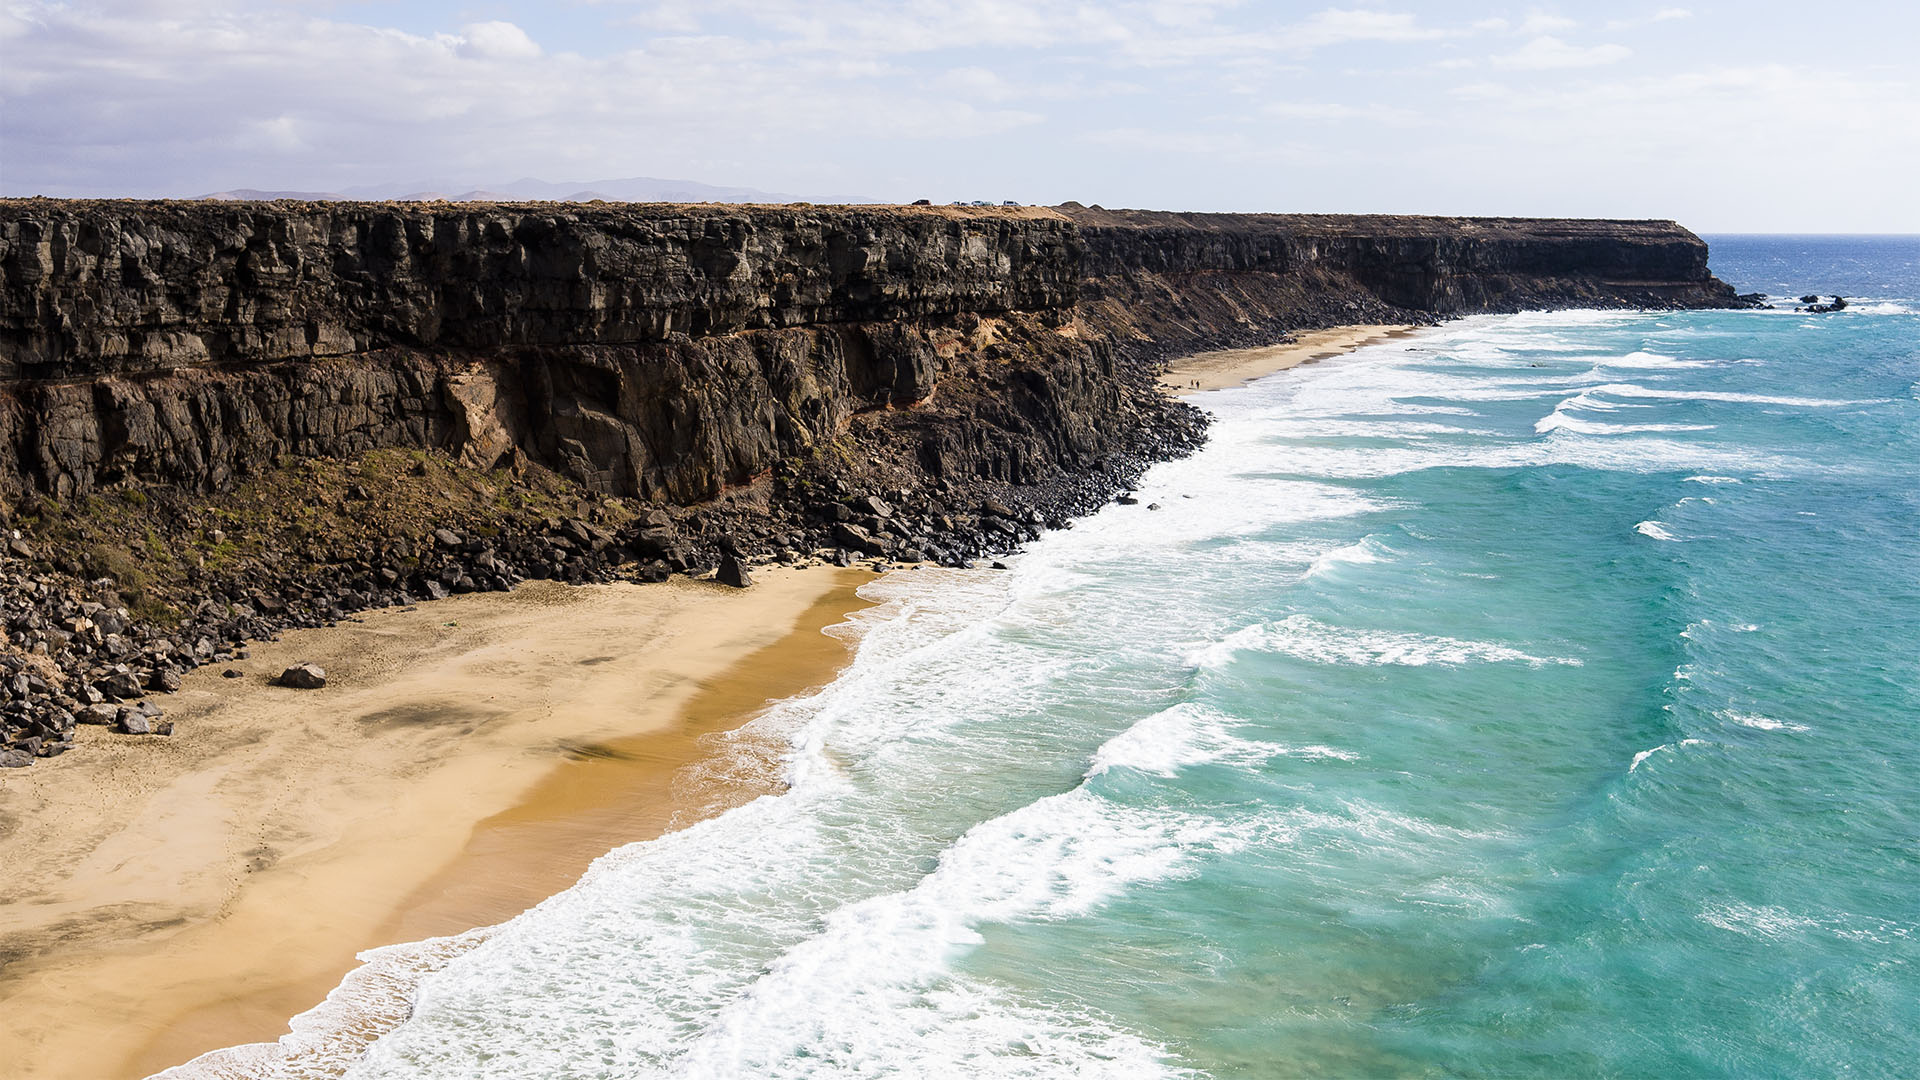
{"x": 1532, "y": 696}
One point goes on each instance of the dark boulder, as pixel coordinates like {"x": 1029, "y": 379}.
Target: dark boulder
{"x": 733, "y": 573}
{"x": 303, "y": 677}
{"x": 854, "y": 538}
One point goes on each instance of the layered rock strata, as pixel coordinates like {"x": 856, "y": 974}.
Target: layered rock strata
{"x": 681, "y": 385}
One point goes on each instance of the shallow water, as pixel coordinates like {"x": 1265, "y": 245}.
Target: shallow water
{"x": 1532, "y": 696}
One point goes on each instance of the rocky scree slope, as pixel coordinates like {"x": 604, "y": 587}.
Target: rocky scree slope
{"x": 201, "y": 404}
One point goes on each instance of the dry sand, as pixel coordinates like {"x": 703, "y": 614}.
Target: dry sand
{"x": 163, "y": 897}
{"x": 1232, "y": 367}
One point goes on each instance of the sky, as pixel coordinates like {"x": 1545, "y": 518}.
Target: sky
{"x": 1727, "y": 116}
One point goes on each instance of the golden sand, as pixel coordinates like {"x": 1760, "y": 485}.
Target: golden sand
{"x": 467, "y": 759}
{"x": 1232, "y": 367}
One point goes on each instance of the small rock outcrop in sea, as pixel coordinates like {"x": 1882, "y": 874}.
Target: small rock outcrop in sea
{"x": 1839, "y": 303}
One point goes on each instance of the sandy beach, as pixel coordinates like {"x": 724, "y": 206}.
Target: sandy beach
{"x": 1232, "y": 367}
{"x": 467, "y": 759}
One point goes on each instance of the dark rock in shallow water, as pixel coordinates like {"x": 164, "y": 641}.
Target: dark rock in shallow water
{"x": 733, "y": 572}
{"x": 303, "y": 677}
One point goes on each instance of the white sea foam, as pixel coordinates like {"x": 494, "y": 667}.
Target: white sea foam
{"x": 1773, "y": 921}
{"x": 1763, "y": 723}
{"x": 1362, "y": 552}
{"x": 873, "y": 992}
{"x": 1713, "y": 480}
{"x": 1654, "y": 529}
{"x": 1649, "y": 361}
{"x": 1633, "y": 390}
{"x": 1192, "y": 734}
{"x": 1304, "y": 638}
{"x": 1662, "y": 748}
{"x": 1757, "y": 920}
{"x": 372, "y": 1000}
{"x": 1560, "y": 420}
{"x": 1635, "y": 453}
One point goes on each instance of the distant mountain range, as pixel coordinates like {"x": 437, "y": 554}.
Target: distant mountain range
{"x": 632, "y": 189}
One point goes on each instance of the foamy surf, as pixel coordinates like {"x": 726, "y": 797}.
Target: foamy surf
{"x": 1763, "y": 723}
{"x": 1190, "y": 734}
{"x": 1316, "y": 768}
{"x": 1664, "y": 748}
{"x": 1305, "y": 638}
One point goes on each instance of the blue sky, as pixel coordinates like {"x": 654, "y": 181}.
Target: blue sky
{"x": 1726, "y": 116}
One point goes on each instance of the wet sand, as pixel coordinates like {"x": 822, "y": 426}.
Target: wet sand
{"x": 1232, "y": 367}
{"x": 468, "y": 759}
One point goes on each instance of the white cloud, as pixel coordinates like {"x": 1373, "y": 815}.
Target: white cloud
{"x": 1481, "y": 91}
{"x": 1547, "y": 53}
{"x": 1335, "y": 27}
{"x": 1141, "y": 102}
{"x": 1235, "y": 147}
{"x": 1333, "y": 111}
{"x": 496, "y": 41}
{"x": 1663, "y": 15}
{"x": 1540, "y": 22}
{"x": 105, "y": 103}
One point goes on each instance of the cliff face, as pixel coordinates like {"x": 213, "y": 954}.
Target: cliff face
{"x": 1162, "y": 284}
{"x": 671, "y": 352}
{"x": 309, "y": 410}
{"x": 116, "y": 287}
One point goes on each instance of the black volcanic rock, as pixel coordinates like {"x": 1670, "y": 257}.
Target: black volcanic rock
{"x": 733, "y": 573}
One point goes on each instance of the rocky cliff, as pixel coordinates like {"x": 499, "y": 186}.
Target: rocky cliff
{"x": 1160, "y": 284}
{"x": 669, "y": 352}
{"x": 220, "y": 420}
